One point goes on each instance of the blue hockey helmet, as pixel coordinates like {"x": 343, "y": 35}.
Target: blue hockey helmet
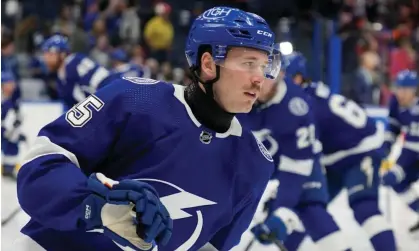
{"x": 56, "y": 43}
{"x": 225, "y": 27}
{"x": 119, "y": 55}
{"x": 407, "y": 79}
{"x": 295, "y": 63}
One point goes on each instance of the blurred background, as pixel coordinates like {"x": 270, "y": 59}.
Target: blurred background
{"x": 347, "y": 42}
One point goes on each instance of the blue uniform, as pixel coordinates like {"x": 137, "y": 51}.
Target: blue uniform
{"x": 80, "y": 77}
{"x": 128, "y": 70}
{"x": 406, "y": 121}
{"x": 354, "y": 136}
{"x": 9, "y": 64}
{"x": 209, "y": 182}
{"x": 10, "y": 125}
{"x": 286, "y": 126}
{"x": 292, "y": 144}
{"x": 352, "y": 154}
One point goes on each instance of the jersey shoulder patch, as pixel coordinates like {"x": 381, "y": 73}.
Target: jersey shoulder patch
{"x": 298, "y": 106}
{"x": 141, "y": 81}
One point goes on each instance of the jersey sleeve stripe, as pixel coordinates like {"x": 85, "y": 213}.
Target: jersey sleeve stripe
{"x": 300, "y": 167}
{"x": 393, "y": 121}
{"x": 43, "y": 146}
{"x": 367, "y": 144}
{"x": 413, "y": 146}
{"x": 98, "y": 76}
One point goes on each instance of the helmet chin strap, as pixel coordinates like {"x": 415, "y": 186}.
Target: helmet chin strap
{"x": 207, "y": 84}
{"x": 203, "y": 105}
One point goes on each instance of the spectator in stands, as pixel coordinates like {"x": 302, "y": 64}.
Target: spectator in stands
{"x": 64, "y": 23}
{"x": 158, "y": 33}
{"x": 403, "y": 57}
{"x": 137, "y": 55}
{"x": 166, "y": 73}
{"x": 130, "y": 29}
{"x": 98, "y": 30}
{"x": 100, "y": 52}
{"x": 365, "y": 89}
{"x": 154, "y": 68}
{"x": 92, "y": 13}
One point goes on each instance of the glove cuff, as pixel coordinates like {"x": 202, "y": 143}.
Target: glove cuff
{"x": 91, "y": 211}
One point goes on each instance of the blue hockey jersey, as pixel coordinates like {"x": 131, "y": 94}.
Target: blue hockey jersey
{"x": 406, "y": 121}
{"x": 346, "y": 132}
{"x": 80, "y": 77}
{"x": 286, "y": 126}
{"x": 128, "y": 70}
{"x": 143, "y": 129}
{"x": 10, "y": 65}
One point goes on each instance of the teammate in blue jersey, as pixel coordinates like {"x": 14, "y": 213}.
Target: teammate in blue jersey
{"x": 144, "y": 162}
{"x": 352, "y": 153}
{"x": 404, "y": 118}
{"x": 301, "y": 199}
{"x": 122, "y": 67}
{"x": 78, "y": 75}
{"x": 10, "y": 125}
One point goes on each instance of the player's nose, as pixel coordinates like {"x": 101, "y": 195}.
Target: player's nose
{"x": 257, "y": 81}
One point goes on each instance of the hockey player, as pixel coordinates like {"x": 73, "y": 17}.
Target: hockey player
{"x": 78, "y": 75}
{"x": 10, "y": 113}
{"x": 404, "y": 118}
{"x": 299, "y": 206}
{"x": 352, "y": 153}
{"x": 121, "y": 67}
{"x": 108, "y": 173}
{"x": 10, "y": 125}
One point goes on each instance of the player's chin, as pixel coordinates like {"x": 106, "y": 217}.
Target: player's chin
{"x": 245, "y": 107}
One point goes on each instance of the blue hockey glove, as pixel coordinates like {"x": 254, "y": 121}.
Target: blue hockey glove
{"x": 393, "y": 176}
{"x": 273, "y": 228}
{"x": 129, "y": 212}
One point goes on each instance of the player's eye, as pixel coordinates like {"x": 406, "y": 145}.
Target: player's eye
{"x": 249, "y": 64}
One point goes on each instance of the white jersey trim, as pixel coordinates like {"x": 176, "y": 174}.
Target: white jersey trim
{"x": 43, "y": 146}
{"x": 413, "y": 146}
{"x": 369, "y": 143}
{"x": 300, "y": 167}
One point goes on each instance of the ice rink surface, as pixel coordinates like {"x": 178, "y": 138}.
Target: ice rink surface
{"x": 400, "y": 216}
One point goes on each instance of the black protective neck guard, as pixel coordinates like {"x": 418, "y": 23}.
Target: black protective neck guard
{"x": 206, "y": 109}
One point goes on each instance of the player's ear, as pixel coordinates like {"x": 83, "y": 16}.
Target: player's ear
{"x": 208, "y": 68}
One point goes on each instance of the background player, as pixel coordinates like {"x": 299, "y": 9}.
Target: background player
{"x": 302, "y": 194}
{"x": 10, "y": 125}
{"x": 352, "y": 153}
{"x": 78, "y": 75}
{"x": 170, "y": 147}
{"x": 404, "y": 119}
{"x": 121, "y": 66}
{"x": 11, "y": 117}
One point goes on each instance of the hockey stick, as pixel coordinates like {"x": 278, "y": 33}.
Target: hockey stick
{"x": 11, "y": 216}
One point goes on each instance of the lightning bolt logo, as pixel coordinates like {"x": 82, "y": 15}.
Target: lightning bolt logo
{"x": 178, "y": 201}
{"x": 175, "y": 203}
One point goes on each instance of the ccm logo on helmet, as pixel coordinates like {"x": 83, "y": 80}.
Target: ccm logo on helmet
{"x": 265, "y": 33}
